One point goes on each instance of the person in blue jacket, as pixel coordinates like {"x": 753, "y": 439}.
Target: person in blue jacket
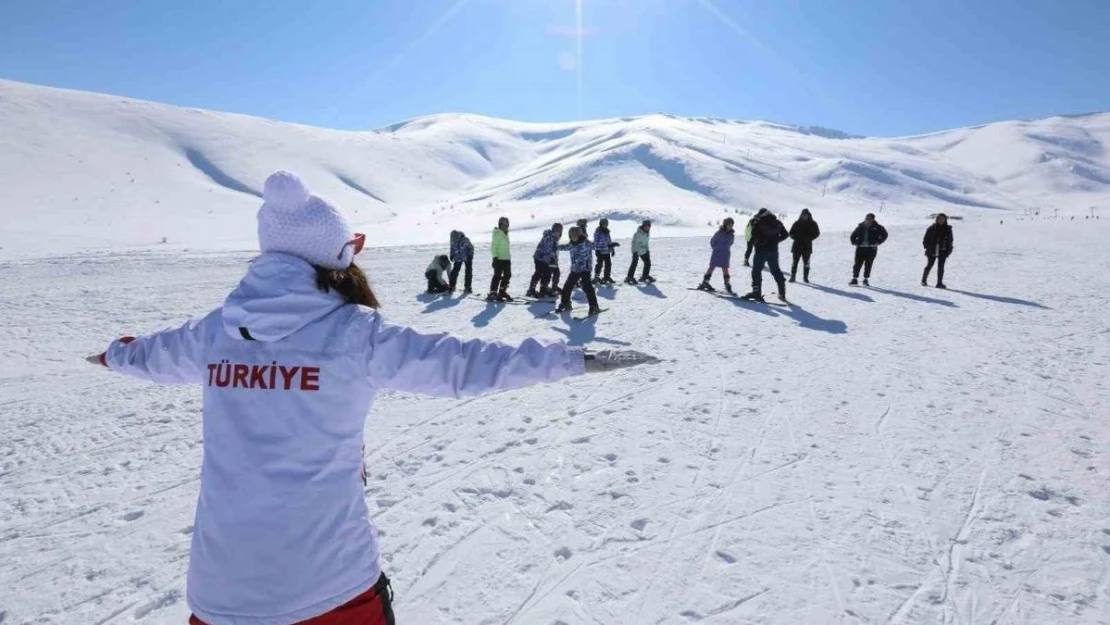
{"x": 462, "y": 255}
{"x": 290, "y": 365}
{"x": 721, "y": 244}
{"x": 581, "y": 263}
{"x": 546, "y": 258}
{"x": 603, "y": 247}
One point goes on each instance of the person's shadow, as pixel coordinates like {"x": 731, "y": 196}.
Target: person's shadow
{"x": 809, "y": 320}
{"x": 580, "y": 333}
{"x": 828, "y": 289}
{"x": 916, "y": 298}
{"x": 1001, "y": 299}
{"x": 483, "y": 318}
{"x": 652, "y": 290}
{"x": 442, "y": 302}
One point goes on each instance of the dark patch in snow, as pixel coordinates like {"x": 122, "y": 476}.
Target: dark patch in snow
{"x": 217, "y": 175}
{"x": 357, "y": 187}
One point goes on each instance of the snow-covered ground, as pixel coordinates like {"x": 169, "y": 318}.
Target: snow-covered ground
{"x": 891, "y": 455}
{"x": 84, "y": 171}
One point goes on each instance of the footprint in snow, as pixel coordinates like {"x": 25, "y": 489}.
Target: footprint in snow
{"x": 563, "y": 554}
{"x": 726, "y": 557}
{"x": 640, "y": 524}
{"x": 132, "y": 516}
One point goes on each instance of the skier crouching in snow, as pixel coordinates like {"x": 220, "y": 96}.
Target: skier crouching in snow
{"x": 603, "y": 248}
{"x": 767, "y": 233}
{"x": 804, "y": 231}
{"x": 290, "y": 366}
{"x": 938, "y": 246}
{"x": 545, "y": 256}
{"x": 462, "y": 254}
{"x": 867, "y": 237}
{"x": 502, "y": 263}
{"x": 435, "y": 273}
{"x": 641, "y": 243}
{"x": 581, "y": 264}
{"x": 721, "y": 243}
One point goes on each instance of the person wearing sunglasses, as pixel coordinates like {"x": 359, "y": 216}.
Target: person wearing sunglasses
{"x": 289, "y": 366}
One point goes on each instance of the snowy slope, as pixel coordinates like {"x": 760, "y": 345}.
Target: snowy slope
{"x": 86, "y": 171}
{"x": 895, "y": 455}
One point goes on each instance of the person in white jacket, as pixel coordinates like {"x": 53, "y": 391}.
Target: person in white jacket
{"x": 289, "y": 367}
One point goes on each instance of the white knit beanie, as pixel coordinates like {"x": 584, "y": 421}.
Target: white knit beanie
{"x": 292, "y": 221}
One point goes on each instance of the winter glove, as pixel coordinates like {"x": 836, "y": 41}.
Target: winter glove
{"x": 612, "y": 359}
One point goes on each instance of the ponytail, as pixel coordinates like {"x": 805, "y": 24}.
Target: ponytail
{"x": 351, "y": 283}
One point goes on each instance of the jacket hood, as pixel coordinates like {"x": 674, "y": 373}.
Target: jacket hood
{"x": 276, "y": 298}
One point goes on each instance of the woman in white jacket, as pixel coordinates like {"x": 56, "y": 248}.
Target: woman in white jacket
{"x": 289, "y": 366}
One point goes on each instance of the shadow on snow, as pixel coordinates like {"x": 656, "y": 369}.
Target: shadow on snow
{"x": 828, "y": 289}
{"x": 916, "y": 298}
{"x": 1002, "y": 299}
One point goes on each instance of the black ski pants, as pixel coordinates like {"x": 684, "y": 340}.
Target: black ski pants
{"x": 770, "y": 259}
{"x": 646, "y": 257}
{"x": 803, "y": 256}
{"x": 435, "y": 285}
{"x": 939, "y": 261}
{"x": 865, "y": 257}
{"x": 582, "y": 279}
{"x": 541, "y": 276}
{"x": 469, "y": 263}
{"x": 748, "y": 251}
{"x": 604, "y": 265}
{"x": 502, "y": 272}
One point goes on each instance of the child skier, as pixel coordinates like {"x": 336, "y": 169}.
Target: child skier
{"x": 603, "y": 247}
{"x": 462, "y": 254}
{"x": 435, "y": 274}
{"x": 581, "y": 264}
{"x": 546, "y": 256}
{"x": 721, "y": 243}
{"x": 867, "y": 237}
{"x": 938, "y": 246}
{"x": 641, "y": 242}
{"x": 804, "y": 231}
{"x": 290, "y": 366}
{"x": 502, "y": 263}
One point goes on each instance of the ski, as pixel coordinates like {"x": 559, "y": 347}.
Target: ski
{"x": 581, "y": 319}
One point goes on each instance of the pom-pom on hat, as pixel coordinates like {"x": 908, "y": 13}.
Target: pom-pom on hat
{"x": 295, "y": 222}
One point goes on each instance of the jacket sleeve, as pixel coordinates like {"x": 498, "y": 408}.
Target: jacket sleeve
{"x": 882, "y": 235}
{"x": 442, "y": 365}
{"x": 783, "y": 234}
{"x": 925, "y": 239}
{"x": 173, "y": 356}
{"x": 816, "y": 230}
{"x": 856, "y": 235}
{"x": 795, "y": 229}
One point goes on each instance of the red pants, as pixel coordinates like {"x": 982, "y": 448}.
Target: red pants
{"x": 373, "y": 607}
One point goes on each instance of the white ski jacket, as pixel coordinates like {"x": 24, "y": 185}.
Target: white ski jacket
{"x": 289, "y": 374}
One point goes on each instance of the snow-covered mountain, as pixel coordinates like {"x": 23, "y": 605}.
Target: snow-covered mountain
{"x": 81, "y": 170}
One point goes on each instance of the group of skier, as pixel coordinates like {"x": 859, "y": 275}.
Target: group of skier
{"x": 592, "y": 260}
{"x": 764, "y": 232}
{"x": 544, "y": 284}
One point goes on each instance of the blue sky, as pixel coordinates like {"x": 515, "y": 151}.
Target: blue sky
{"x": 876, "y": 67}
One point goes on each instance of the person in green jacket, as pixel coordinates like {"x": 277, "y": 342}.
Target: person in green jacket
{"x": 748, "y": 238}
{"x": 641, "y": 251}
{"x": 502, "y": 263}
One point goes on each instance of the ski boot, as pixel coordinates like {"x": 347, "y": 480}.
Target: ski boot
{"x": 631, "y": 281}
{"x": 924, "y": 283}
{"x": 563, "y": 308}
{"x": 468, "y": 291}
{"x": 705, "y": 286}
{"x": 940, "y": 285}
{"x": 647, "y": 279}
{"x": 866, "y": 283}
{"x": 504, "y": 297}
{"x": 492, "y": 297}
{"x": 747, "y": 264}
{"x": 805, "y": 275}
{"x": 532, "y": 293}
{"x": 596, "y": 310}
{"x": 782, "y": 294}
{"x": 753, "y": 297}
{"x": 728, "y": 288}
{"x": 854, "y": 282}
{"x": 793, "y": 278}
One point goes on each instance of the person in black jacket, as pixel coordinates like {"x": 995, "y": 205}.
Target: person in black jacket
{"x": 938, "y": 245}
{"x": 767, "y": 233}
{"x": 867, "y": 237}
{"x": 804, "y": 231}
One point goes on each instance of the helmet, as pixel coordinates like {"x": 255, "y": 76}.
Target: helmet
{"x": 503, "y": 223}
